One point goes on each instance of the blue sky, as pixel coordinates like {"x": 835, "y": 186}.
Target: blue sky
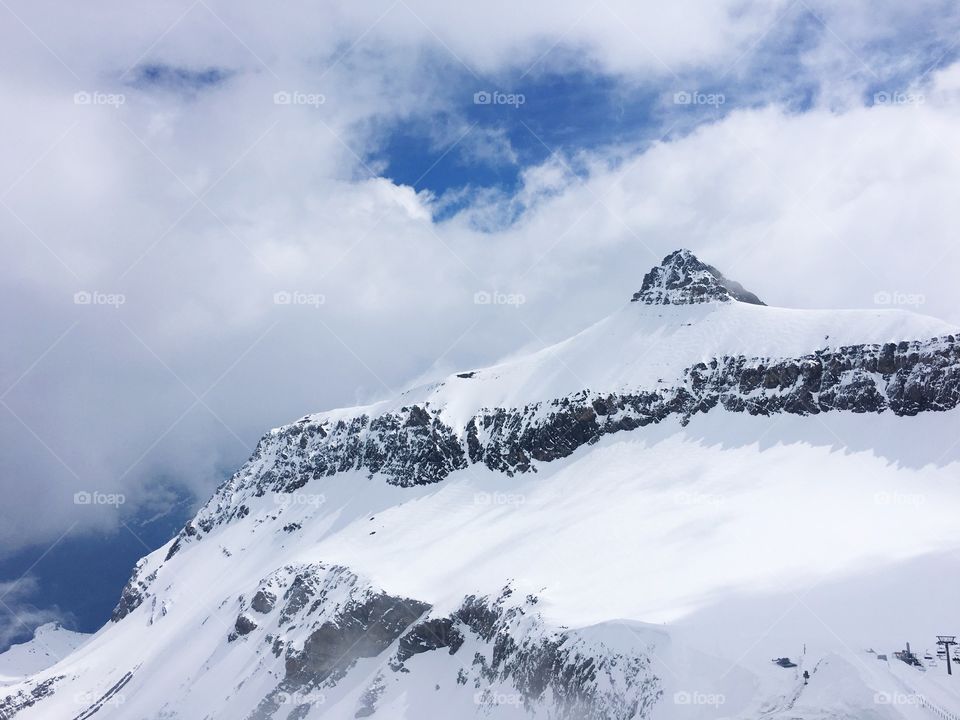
{"x": 77, "y": 579}
{"x": 751, "y": 132}
{"x": 567, "y": 107}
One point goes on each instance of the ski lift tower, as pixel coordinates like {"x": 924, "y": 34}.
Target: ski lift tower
{"x": 947, "y": 641}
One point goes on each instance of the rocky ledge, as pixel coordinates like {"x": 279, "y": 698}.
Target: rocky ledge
{"x": 415, "y": 446}
{"x": 314, "y": 623}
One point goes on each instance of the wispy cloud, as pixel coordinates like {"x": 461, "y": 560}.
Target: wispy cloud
{"x": 19, "y": 616}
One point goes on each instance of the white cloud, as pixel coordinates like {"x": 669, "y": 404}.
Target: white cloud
{"x": 818, "y": 209}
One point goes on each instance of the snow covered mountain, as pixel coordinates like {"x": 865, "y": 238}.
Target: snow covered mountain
{"x": 633, "y": 523}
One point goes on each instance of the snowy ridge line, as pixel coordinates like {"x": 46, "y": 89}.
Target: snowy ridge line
{"x": 418, "y": 445}
{"x": 50, "y": 643}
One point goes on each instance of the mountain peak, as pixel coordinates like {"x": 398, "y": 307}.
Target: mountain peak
{"x": 683, "y": 279}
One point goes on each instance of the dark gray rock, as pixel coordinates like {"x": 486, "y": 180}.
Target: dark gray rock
{"x": 414, "y": 446}
{"x": 370, "y": 697}
{"x": 427, "y": 636}
{"x": 263, "y": 601}
{"x": 539, "y": 662}
{"x": 363, "y": 630}
{"x": 12, "y": 704}
{"x": 133, "y": 593}
{"x": 682, "y": 279}
{"x": 244, "y": 626}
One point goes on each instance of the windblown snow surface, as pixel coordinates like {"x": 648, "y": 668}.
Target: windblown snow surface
{"x": 651, "y": 573}
{"x": 50, "y": 644}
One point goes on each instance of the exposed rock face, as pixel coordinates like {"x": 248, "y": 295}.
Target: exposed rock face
{"x": 500, "y": 648}
{"x": 263, "y": 602}
{"x": 905, "y": 378}
{"x": 682, "y": 279}
{"x": 134, "y": 591}
{"x": 410, "y": 446}
{"x": 325, "y": 618}
{"x": 415, "y": 445}
{"x": 427, "y": 636}
{"x": 514, "y": 647}
{"x": 243, "y": 626}
{"x": 370, "y": 697}
{"x": 364, "y": 630}
{"x": 12, "y": 704}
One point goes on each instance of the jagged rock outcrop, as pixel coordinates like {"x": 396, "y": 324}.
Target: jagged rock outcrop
{"x": 905, "y": 378}
{"x": 553, "y": 667}
{"x": 416, "y": 446}
{"x": 427, "y": 636}
{"x": 134, "y": 592}
{"x": 683, "y": 279}
{"x": 322, "y": 620}
{"x": 326, "y": 618}
{"x": 10, "y": 705}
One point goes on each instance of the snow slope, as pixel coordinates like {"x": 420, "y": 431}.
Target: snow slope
{"x": 50, "y": 644}
{"x": 644, "y": 347}
{"x": 654, "y": 573}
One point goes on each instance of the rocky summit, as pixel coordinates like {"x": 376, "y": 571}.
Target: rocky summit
{"x": 682, "y": 279}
